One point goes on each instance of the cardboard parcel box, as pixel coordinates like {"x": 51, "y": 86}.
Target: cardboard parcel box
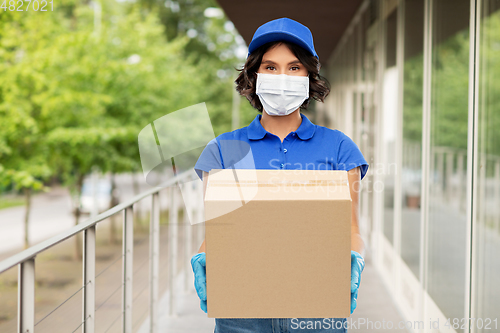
{"x": 278, "y": 244}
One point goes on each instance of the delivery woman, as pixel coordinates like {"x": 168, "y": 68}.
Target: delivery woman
{"x": 280, "y": 76}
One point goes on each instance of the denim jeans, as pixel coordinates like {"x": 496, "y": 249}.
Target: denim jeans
{"x": 280, "y": 325}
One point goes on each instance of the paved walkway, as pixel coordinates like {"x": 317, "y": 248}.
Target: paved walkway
{"x": 374, "y": 304}
{"x": 374, "y": 301}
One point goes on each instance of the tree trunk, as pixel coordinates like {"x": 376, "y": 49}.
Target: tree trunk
{"x": 27, "y": 196}
{"x": 113, "y": 202}
{"x": 135, "y": 184}
{"x": 137, "y": 208}
{"x": 77, "y": 213}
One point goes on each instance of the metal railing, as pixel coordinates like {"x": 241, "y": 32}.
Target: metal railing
{"x": 25, "y": 260}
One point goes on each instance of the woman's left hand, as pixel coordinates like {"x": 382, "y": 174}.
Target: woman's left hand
{"x": 357, "y": 266}
{"x": 199, "y": 264}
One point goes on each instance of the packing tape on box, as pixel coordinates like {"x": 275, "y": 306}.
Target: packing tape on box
{"x": 255, "y": 183}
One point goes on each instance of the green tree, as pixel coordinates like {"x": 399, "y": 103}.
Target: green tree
{"x": 22, "y": 153}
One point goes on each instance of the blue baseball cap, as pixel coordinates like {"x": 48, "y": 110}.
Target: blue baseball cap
{"x": 283, "y": 29}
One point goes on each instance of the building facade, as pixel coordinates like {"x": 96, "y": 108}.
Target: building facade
{"x": 414, "y": 84}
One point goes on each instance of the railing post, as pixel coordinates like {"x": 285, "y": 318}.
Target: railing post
{"x": 440, "y": 171}
{"x": 199, "y": 214}
{"x": 89, "y": 279}
{"x": 128, "y": 260}
{"x": 450, "y": 190}
{"x": 154, "y": 261}
{"x": 172, "y": 236}
{"x": 496, "y": 196}
{"x": 196, "y": 217}
{"x": 26, "y": 297}
{"x": 189, "y": 203}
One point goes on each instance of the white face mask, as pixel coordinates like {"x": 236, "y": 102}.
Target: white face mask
{"x": 281, "y": 94}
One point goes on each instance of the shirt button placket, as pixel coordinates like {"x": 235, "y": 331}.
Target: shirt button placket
{"x": 283, "y": 155}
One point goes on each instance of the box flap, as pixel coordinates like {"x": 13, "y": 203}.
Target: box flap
{"x": 244, "y": 185}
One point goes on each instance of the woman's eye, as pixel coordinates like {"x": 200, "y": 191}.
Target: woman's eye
{"x": 270, "y": 68}
{"x": 295, "y": 68}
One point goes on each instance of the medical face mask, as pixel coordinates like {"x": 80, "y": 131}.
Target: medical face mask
{"x": 281, "y": 94}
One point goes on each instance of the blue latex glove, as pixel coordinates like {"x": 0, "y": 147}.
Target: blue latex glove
{"x": 357, "y": 266}
{"x": 198, "y": 263}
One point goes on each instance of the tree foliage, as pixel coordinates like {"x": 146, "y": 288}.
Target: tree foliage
{"x": 74, "y": 94}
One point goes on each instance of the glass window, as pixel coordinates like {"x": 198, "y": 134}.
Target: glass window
{"x": 448, "y": 155}
{"x": 486, "y": 259}
{"x": 389, "y": 124}
{"x": 411, "y": 170}
{"x": 368, "y": 121}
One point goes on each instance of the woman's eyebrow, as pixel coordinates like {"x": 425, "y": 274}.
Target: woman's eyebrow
{"x": 296, "y": 61}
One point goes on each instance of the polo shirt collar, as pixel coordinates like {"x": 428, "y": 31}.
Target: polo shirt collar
{"x": 255, "y": 129}
{"x": 305, "y": 131}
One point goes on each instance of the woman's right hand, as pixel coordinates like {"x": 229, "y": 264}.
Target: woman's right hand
{"x": 198, "y": 263}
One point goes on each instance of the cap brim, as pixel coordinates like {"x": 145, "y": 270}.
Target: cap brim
{"x": 279, "y": 36}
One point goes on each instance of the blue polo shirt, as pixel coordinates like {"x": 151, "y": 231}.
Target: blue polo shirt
{"x": 310, "y": 147}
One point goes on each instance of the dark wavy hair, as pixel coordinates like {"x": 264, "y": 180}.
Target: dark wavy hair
{"x": 319, "y": 87}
